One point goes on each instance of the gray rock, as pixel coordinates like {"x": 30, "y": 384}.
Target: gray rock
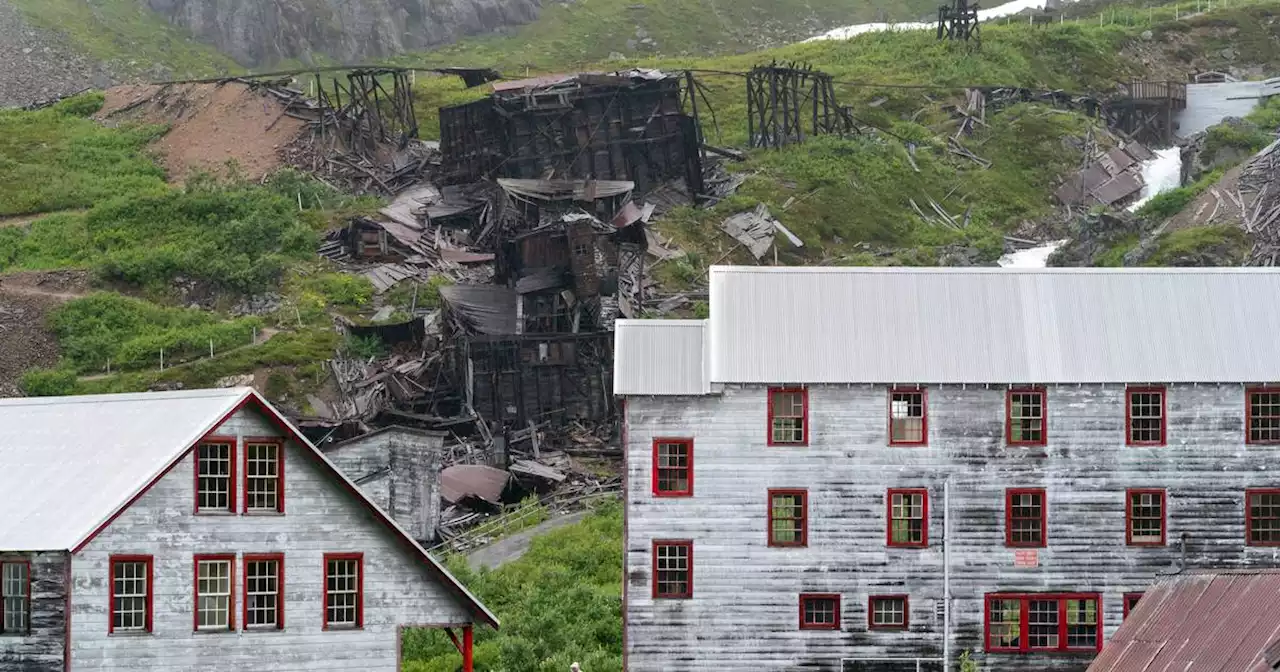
{"x": 1148, "y": 35}
{"x": 39, "y": 65}
{"x": 632, "y": 44}
{"x": 1229, "y": 54}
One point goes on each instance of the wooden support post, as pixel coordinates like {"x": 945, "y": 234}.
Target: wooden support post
{"x": 467, "y": 665}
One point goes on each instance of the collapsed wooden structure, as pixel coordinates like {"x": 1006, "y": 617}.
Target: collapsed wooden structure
{"x": 787, "y": 102}
{"x": 959, "y": 21}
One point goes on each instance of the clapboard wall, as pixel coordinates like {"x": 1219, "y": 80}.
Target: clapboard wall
{"x": 743, "y": 613}
{"x": 40, "y": 649}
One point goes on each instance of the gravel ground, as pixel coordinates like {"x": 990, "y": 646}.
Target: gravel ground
{"x": 37, "y": 65}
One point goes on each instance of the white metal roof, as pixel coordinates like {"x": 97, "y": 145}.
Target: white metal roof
{"x": 975, "y": 325}
{"x": 666, "y": 357}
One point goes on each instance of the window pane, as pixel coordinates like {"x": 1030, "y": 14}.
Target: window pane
{"x": 1264, "y": 417}
{"x": 1004, "y": 631}
{"x": 906, "y": 417}
{"x": 214, "y": 480}
{"x": 788, "y": 417}
{"x": 342, "y": 592}
{"x": 14, "y": 586}
{"x": 888, "y": 612}
{"x": 262, "y": 592}
{"x": 129, "y": 595}
{"x": 1082, "y": 624}
{"x": 1026, "y": 526}
{"x": 788, "y": 518}
{"x": 1042, "y": 630}
{"x": 1264, "y": 518}
{"x": 672, "y": 568}
{"x": 1026, "y": 417}
{"x": 1146, "y": 411}
{"x": 1146, "y": 517}
{"x": 262, "y": 477}
{"x": 673, "y": 467}
{"x": 213, "y": 594}
{"x": 907, "y": 523}
{"x": 819, "y": 611}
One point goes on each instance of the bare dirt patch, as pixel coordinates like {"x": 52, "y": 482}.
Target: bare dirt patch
{"x": 209, "y": 125}
{"x": 26, "y": 300}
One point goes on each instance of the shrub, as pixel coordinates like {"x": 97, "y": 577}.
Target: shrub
{"x": 48, "y": 382}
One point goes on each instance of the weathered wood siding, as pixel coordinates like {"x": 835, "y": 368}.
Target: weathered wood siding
{"x": 744, "y": 610}
{"x": 41, "y": 650}
{"x": 319, "y": 518}
{"x": 400, "y": 471}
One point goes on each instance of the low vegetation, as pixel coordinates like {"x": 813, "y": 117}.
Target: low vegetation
{"x": 1201, "y": 246}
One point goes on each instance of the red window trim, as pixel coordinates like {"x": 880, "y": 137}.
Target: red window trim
{"x": 687, "y": 544}
{"x": 924, "y": 415}
{"x": 1248, "y": 414}
{"x": 1024, "y": 620}
{"x": 324, "y": 600}
{"x": 1008, "y": 517}
{"x": 1128, "y": 516}
{"x": 228, "y": 558}
{"x": 871, "y": 612}
{"x": 804, "y": 400}
{"x": 1248, "y": 516}
{"x": 279, "y": 442}
{"x": 1044, "y": 416}
{"x": 804, "y": 518}
{"x": 1164, "y": 416}
{"x": 231, "y": 483}
{"x": 114, "y": 560}
{"x": 244, "y": 590}
{"x": 688, "y": 443}
{"x": 27, "y": 563}
{"x": 805, "y": 597}
{"x": 1127, "y": 597}
{"x": 888, "y": 503}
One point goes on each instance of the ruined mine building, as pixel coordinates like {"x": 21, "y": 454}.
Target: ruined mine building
{"x": 881, "y": 469}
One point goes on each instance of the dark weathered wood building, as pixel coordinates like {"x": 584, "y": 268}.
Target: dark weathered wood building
{"x": 198, "y": 530}
{"x": 879, "y": 469}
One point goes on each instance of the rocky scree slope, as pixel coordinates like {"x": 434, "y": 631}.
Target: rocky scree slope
{"x": 37, "y": 64}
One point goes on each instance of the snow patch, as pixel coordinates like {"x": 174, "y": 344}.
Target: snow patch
{"x": 1001, "y": 11}
{"x": 1032, "y": 257}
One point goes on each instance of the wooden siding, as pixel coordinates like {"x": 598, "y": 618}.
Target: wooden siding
{"x": 742, "y": 615}
{"x": 319, "y": 519}
{"x": 403, "y": 472}
{"x": 41, "y": 650}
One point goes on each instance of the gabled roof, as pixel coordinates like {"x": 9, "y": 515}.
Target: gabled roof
{"x": 71, "y": 465}
{"x": 1208, "y": 622}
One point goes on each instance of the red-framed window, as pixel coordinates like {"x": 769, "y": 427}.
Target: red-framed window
{"x": 263, "y": 597}
{"x": 343, "y": 590}
{"x": 215, "y": 459}
{"x": 908, "y": 512}
{"x": 788, "y": 416}
{"x": 264, "y": 475}
{"x": 214, "y": 593}
{"x": 672, "y": 467}
{"x": 1043, "y": 622}
{"x": 131, "y": 593}
{"x": 1025, "y": 423}
{"x": 1025, "y": 517}
{"x": 1262, "y": 409}
{"x": 819, "y": 611}
{"x": 15, "y": 597}
{"x": 1130, "y": 601}
{"x": 1144, "y": 516}
{"x": 908, "y": 417}
{"x": 888, "y": 612}
{"x": 788, "y": 517}
{"x": 1144, "y": 416}
{"x": 1262, "y": 516}
{"x": 673, "y": 569}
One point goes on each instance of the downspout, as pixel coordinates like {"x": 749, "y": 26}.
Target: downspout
{"x": 946, "y": 575}
{"x": 626, "y": 505}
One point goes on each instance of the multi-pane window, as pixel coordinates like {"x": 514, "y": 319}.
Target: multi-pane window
{"x": 1145, "y": 516}
{"x": 1262, "y": 517}
{"x": 1264, "y": 416}
{"x": 1145, "y": 416}
{"x": 1026, "y": 418}
{"x": 130, "y": 594}
{"x": 673, "y": 467}
{"x": 264, "y": 591}
{"x": 1131, "y": 602}
{"x": 819, "y": 612}
{"x": 672, "y": 569}
{"x": 908, "y": 424}
{"x": 888, "y": 612}
{"x": 788, "y": 417}
{"x": 1024, "y": 623}
{"x": 15, "y": 598}
{"x": 1025, "y": 517}
{"x": 213, "y": 592}
{"x": 343, "y": 591}
{"x": 788, "y": 517}
{"x": 215, "y": 476}
{"x": 908, "y": 517}
{"x": 263, "y": 476}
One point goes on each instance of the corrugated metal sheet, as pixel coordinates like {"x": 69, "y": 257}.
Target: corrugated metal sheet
{"x": 660, "y": 357}
{"x": 1207, "y": 622}
{"x": 67, "y": 463}
{"x": 983, "y": 325}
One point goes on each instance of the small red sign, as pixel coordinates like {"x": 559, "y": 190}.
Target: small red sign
{"x": 1026, "y": 558}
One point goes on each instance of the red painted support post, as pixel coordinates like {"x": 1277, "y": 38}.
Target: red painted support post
{"x": 466, "y": 649}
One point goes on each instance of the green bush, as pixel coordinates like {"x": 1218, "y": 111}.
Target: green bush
{"x": 1165, "y": 205}
{"x": 48, "y": 382}
{"x": 83, "y": 105}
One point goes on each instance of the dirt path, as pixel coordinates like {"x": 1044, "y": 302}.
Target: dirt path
{"x": 60, "y": 285}
{"x": 511, "y": 548}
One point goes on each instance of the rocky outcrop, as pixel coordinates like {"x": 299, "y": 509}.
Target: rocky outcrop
{"x": 39, "y": 65}
{"x": 264, "y": 32}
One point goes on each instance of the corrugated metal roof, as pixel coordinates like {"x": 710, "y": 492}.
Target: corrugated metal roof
{"x": 1207, "y": 622}
{"x": 986, "y": 325}
{"x": 660, "y": 357}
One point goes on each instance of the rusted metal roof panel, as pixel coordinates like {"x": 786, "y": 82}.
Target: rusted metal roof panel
{"x": 1207, "y": 622}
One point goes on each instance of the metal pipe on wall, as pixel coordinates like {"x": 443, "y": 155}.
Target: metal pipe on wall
{"x": 946, "y": 575}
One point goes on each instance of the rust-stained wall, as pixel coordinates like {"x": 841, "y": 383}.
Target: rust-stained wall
{"x": 743, "y": 614}
{"x": 40, "y": 650}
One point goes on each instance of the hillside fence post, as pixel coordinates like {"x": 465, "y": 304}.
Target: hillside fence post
{"x": 162, "y": 359}
{"x": 211, "y": 348}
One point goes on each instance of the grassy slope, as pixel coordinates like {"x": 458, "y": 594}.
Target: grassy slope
{"x": 133, "y": 39}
